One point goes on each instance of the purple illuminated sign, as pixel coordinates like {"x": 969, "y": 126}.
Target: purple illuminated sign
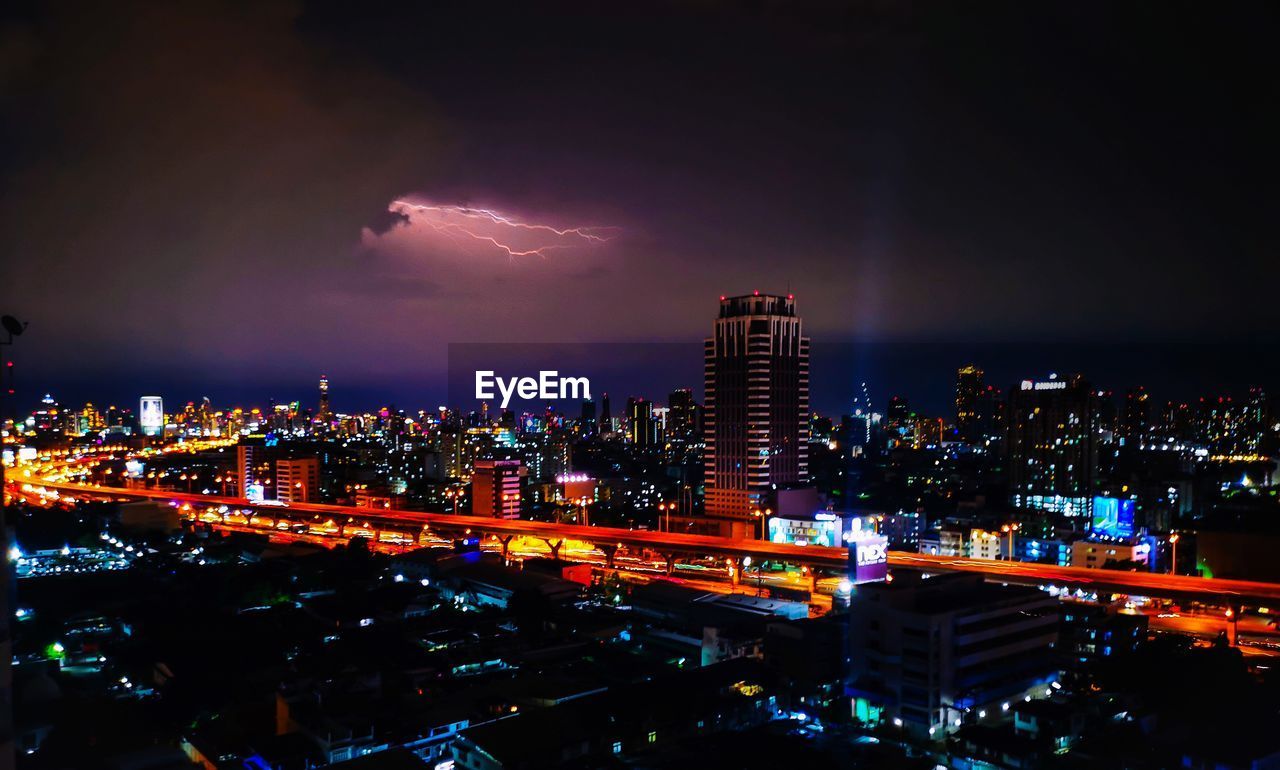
{"x": 869, "y": 557}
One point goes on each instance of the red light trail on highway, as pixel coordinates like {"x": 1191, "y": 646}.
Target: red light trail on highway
{"x": 1093, "y": 580}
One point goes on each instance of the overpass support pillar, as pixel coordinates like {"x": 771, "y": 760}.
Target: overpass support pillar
{"x": 506, "y": 545}
{"x": 1233, "y": 616}
{"x": 670, "y": 559}
{"x": 555, "y": 547}
{"x": 609, "y": 551}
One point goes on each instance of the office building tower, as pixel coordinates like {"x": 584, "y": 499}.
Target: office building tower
{"x": 642, "y": 430}
{"x": 989, "y": 427}
{"x": 495, "y": 488}
{"x": 682, "y": 415}
{"x": 1052, "y": 445}
{"x": 324, "y": 415}
{"x": 247, "y": 456}
{"x": 969, "y": 391}
{"x": 899, "y": 422}
{"x": 933, "y": 655}
{"x": 298, "y": 480}
{"x": 1135, "y": 420}
{"x": 606, "y": 419}
{"x": 587, "y": 422}
{"x": 756, "y": 427}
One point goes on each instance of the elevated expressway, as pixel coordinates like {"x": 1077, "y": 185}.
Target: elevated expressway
{"x": 341, "y": 520}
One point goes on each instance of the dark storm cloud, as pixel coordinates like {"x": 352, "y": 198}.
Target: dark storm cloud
{"x": 208, "y": 186}
{"x": 385, "y": 221}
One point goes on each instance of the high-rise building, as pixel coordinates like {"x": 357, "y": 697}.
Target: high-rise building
{"x": 298, "y": 480}
{"x": 757, "y": 412}
{"x": 1135, "y": 421}
{"x": 642, "y": 431}
{"x": 324, "y": 415}
{"x": 682, "y": 417}
{"x": 606, "y": 419}
{"x": 899, "y": 422}
{"x": 1052, "y": 445}
{"x": 495, "y": 488}
{"x": 247, "y": 457}
{"x": 969, "y": 390}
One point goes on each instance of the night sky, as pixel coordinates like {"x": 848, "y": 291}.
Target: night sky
{"x": 228, "y": 199}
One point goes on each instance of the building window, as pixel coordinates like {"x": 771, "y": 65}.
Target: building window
{"x": 617, "y": 746}
{"x": 653, "y": 737}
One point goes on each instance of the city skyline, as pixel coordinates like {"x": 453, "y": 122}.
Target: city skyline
{"x": 531, "y": 386}
{"x": 920, "y": 372}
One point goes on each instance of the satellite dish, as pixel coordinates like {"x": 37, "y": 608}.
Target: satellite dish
{"x": 12, "y": 325}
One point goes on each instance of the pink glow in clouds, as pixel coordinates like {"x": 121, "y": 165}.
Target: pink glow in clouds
{"x": 471, "y": 230}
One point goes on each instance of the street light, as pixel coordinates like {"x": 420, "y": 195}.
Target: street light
{"x": 1011, "y": 528}
{"x": 1173, "y": 562}
{"x": 665, "y": 507}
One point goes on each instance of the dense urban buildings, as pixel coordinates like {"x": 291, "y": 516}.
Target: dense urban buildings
{"x": 493, "y": 634}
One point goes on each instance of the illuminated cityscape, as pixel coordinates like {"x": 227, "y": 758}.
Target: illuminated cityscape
{"x": 842, "y": 386}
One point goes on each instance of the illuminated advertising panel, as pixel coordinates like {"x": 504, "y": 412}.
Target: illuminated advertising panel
{"x": 1113, "y": 517}
{"x": 151, "y": 415}
{"x": 869, "y": 555}
{"x": 817, "y": 531}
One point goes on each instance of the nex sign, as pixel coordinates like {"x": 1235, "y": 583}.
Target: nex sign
{"x": 872, "y": 553}
{"x": 870, "y": 556}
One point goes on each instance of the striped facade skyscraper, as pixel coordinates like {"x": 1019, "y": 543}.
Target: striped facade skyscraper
{"x": 757, "y": 405}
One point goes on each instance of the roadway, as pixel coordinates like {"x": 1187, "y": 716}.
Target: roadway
{"x": 675, "y": 544}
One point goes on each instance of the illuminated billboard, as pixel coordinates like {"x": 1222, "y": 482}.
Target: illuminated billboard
{"x": 820, "y": 530}
{"x": 869, "y": 557}
{"x": 151, "y": 415}
{"x": 1113, "y": 517}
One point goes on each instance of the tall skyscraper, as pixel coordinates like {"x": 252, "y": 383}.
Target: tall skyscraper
{"x": 323, "y": 414}
{"x": 495, "y": 489}
{"x": 757, "y": 411}
{"x": 1135, "y": 422}
{"x": 969, "y": 389}
{"x": 1052, "y": 445}
{"x": 606, "y": 419}
{"x": 642, "y": 431}
{"x": 682, "y": 417}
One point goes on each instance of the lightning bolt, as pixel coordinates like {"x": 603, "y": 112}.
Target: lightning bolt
{"x": 442, "y": 219}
